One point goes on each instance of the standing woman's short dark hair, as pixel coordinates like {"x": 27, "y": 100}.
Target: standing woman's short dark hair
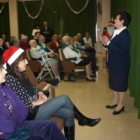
{"x": 126, "y": 17}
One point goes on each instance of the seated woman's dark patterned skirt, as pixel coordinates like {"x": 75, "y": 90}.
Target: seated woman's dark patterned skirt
{"x": 118, "y": 78}
{"x": 84, "y": 62}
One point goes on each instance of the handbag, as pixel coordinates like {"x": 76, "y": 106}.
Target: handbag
{"x": 20, "y": 134}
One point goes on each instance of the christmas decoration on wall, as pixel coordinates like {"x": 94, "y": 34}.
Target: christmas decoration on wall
{"x": 2, "y": 8}
{"x": 36, "y": 16}
{"x": 77, "y": 12}
{"x": 54, "y": 10}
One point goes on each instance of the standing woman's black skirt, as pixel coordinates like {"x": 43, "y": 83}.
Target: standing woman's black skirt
{"x": 118, "y": 78}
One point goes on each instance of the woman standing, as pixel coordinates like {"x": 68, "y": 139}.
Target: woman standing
{"x": 60, "y": 106}
{"x": 119, "y": 60}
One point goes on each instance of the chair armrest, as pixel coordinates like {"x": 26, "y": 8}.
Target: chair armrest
{"x": 74, "y": 58}
{"x": 47, "y": 87}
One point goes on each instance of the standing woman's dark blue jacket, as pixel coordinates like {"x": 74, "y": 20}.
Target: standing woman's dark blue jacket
{"x": 119, "y": 50}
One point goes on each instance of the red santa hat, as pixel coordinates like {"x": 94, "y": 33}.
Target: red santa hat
{"x": 111, "y": 22}
{"x": 11, "y": 54}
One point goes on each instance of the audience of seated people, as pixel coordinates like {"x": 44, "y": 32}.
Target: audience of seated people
{"x": 60, "y": 106}
{"x": 76, "y": 48}
{"x": 79, "y": 58}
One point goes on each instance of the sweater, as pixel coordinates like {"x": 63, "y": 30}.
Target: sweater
{"x": 10, "y": 123}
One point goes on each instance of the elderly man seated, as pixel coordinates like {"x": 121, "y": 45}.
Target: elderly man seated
{"x": 37, "y": 52}
{"x": 79, "y": 58}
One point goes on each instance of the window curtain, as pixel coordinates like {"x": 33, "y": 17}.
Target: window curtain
{"x": 134, "y": 78}
{"x": 63, "y": 20}
{"x": 4, "y": 21}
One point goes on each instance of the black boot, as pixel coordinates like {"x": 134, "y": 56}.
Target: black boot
{"x": 69, "y": 132}
{"x": 83, "y": 120}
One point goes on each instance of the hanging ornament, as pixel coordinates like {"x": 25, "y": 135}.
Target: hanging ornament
{"x": 77, "y": 12}
{"x": 2, "y": 8}
{"x": 36, "y": 16}
{"x": 54, "y": 10}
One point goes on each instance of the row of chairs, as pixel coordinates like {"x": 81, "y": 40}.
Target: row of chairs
{"x": 68, "y": 66}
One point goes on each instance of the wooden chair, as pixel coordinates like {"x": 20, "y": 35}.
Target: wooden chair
{"x": 68, "y": 66}
{"x": 34, "y": 64}
{"x": 44, "y": 86}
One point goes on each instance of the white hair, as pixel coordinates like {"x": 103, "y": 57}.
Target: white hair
{"x": 65, "y": 39}
{"x": 31, "y": 42}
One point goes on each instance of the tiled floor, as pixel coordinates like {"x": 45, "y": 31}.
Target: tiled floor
{"x": 91, "y": 98}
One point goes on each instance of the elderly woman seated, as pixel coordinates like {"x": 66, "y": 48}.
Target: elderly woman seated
{"x": 79, "y": 58}
{"x": 24, "y": 44}
{"x": 37, "y": 52}
{"x": 54, "y": 44}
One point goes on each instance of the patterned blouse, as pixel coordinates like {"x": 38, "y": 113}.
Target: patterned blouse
{"x": 21, "y": 91}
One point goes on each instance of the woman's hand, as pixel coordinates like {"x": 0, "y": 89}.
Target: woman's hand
{"x": 51, "y": 54}
{"x": 105, "y": 39}
{"x": 55, "y": 54}
{"x": 37, "y": 102}
{"x": 83, "y": 54}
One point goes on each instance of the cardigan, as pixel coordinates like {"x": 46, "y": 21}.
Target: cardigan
{"x": 21, "y": 91}
{"x": 10, "y": 123}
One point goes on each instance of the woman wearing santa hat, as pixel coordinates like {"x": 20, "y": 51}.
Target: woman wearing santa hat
{"x": 60, "y": 106}
{"x": 13, "y": 114}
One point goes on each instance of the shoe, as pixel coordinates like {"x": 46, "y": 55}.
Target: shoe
{"x": 69, "y": 132}
{"x": 90, "y": 80}
{"x": 118, "y": 112}
{"x": 53, "y": 82}
{"x": 89, "y": 122}
{"x": 93, "y": 75}
{"x": 83, "y": 120}
{"x": 110, "y": 107}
